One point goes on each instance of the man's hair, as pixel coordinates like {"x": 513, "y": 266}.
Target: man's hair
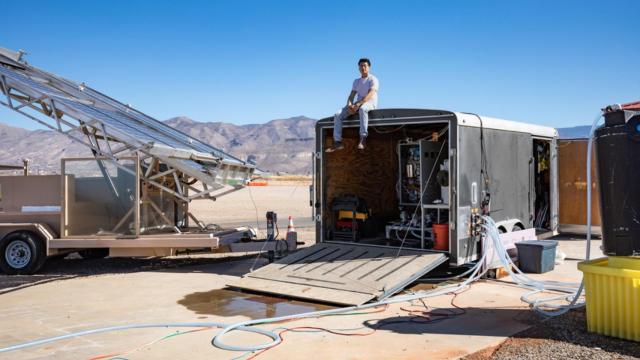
{"x": 364, "y": 60}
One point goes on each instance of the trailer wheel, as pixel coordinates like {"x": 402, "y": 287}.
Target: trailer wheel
{"x": 517, "y": 227}
{"x": 94, "y": 253}
{"x": 21, "y": 253}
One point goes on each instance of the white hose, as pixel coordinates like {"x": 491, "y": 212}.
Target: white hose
{"x": 477, "y": 271}
{"x": 244, "y": 326}
{"x": 218, "y": 342}
{"x": 571, "y": 292}
{"x": 268, "y": 333}
{"x": 544, "y": 306}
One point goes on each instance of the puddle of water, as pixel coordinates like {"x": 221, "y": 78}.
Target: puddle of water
{"x": 422, "y": 286}
{"x": 223, "y": 302}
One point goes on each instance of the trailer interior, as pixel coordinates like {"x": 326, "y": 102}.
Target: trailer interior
{"x": 378, "y": 196}
{"x": 542, "y": 184}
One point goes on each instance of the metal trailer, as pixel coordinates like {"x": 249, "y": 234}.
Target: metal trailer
{"x": 439, "y": 167}
{"x": 130, "y": 198}
{"x": 511, "y": 166}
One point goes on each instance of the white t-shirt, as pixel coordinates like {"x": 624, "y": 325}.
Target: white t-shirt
{"x": 363, "y": 85}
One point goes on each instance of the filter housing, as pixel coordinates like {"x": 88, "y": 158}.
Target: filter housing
{"x": 617, "y": 146}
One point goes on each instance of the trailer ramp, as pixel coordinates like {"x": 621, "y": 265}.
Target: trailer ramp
{"x": 345, "y": 274}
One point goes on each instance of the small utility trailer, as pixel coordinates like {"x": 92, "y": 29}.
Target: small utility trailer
{"x": 131, "y": 198}
{"x": 411, "y": 201}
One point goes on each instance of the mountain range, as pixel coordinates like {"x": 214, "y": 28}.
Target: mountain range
{"x": 283, "y": 145}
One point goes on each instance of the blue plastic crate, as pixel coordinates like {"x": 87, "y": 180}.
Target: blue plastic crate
{"x": 537, "y": 256}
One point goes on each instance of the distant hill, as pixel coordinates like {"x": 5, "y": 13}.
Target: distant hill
{"x": 283, "y": 145}
{"x": 43, "y": 148}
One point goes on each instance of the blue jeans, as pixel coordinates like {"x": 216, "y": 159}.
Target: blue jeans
{"x": 344, "y": 113}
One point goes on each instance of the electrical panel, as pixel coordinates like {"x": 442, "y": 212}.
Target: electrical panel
{"x": 422, "y": 188}
{"x": 419, "y": 165}
{"x": 410, "y": 186}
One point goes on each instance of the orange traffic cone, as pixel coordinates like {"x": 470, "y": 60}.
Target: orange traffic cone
{"x": 292, "y": 235}
{"x": 290, "y": 226}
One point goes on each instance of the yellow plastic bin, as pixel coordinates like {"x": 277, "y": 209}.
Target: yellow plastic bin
{"x": 612, "y": 288}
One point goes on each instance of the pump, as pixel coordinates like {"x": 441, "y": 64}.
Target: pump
{"x": 272, "y": 225}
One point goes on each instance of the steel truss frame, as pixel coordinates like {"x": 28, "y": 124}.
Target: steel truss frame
{"x": 145, "y": 205}
{"x": 108, "y": 127}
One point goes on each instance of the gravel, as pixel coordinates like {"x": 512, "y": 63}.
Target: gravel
{"x": 563, "y": 337}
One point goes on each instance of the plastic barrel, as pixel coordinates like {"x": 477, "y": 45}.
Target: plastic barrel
{"x": 617, "y": 145}
{"x": 441, "y": 236}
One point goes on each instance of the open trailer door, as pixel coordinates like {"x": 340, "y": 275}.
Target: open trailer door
{"x": 346, "y": 274}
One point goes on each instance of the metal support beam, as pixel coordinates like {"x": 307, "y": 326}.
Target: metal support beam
{"x": 6, "y": 90}
{"x": 162, "y": 174}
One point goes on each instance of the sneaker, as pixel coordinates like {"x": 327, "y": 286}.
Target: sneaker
{"x": 335, "y": 147}
{"x": 362, "y": 143}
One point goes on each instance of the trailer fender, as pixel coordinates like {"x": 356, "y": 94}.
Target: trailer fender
{"x": 42, "y": 230}
{"x": 510, "y": 225}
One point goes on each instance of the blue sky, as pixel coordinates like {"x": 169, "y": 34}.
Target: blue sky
{"x": 547, "y": 62}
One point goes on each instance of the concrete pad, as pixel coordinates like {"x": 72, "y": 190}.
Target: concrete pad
{"x": 493, "y": 312}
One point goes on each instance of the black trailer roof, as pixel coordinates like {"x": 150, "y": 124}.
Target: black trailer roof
{"x": 381, "y": 117}
{"x": 393, "y": 115}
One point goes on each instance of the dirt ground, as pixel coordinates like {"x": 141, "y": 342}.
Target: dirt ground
{"x": 71, "y": 294}
{"x": 563, "y": 337}
{"x": 249, "y": 206}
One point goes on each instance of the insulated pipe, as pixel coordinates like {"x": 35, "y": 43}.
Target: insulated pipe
{"x": 272, "y": 335}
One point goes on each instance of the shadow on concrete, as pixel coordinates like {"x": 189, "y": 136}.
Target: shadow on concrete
{"x": 569, "y": 329}
{"x": 574, "y": 237}
{"x": 58, "y": 268}
{"x": 499, "y": 322}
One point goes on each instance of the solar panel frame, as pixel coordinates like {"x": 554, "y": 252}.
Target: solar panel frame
{"x": 133, "y": 119}
{"x": 134, "y": 129}
{"x": 154, "y": 124}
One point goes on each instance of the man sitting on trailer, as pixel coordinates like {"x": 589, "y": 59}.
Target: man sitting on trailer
{"x": 366, "y": 87}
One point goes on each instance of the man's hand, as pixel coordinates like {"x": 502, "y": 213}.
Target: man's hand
{"x": 351, "y": 107}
